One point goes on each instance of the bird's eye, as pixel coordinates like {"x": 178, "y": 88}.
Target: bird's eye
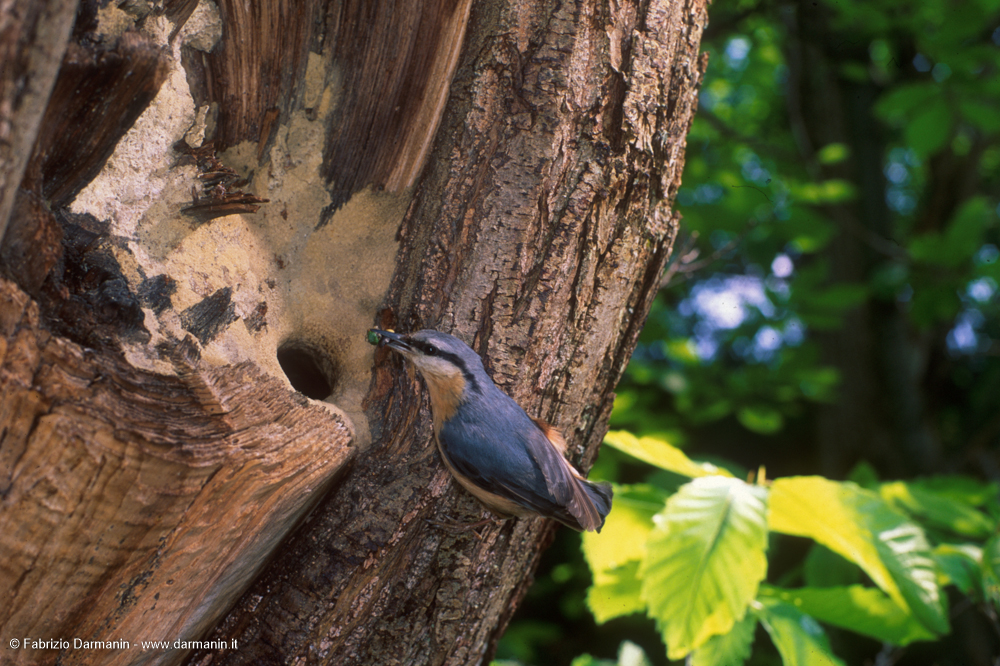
{"x": 430, "y": 350}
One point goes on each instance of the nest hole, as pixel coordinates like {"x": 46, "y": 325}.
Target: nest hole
{"x": 310, "y": 371}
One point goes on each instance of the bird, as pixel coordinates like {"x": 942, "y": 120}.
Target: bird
{"x": 512, "y": 463}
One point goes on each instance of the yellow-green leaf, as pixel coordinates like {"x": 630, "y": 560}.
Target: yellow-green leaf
{"x": 861, "y": 526}
{"x": 660, "y": 454}
{"x": 704, "y": 560}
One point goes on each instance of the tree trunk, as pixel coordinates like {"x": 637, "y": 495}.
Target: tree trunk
{"x": 221, "y": 200}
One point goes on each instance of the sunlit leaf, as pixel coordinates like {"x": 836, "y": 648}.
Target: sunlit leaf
{"x": 615, "y": 553}
{"x": 630, "y": 654}
{"x": 705, "y": 560}
{"x": 619, "y": 593}
{"x": 660, "y": 454}
{"x": 825, "y": 192}
{"x": 861, "y": 526}
{"x": 865, "y": 610}
{"x": 799, "y": 638}
{"x": 832, "y": 153}
{"x": 730, "y": 649}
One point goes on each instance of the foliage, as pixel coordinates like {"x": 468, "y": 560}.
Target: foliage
{"x": 695, "y": 560}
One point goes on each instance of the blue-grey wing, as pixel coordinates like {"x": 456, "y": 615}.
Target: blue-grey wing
{"x": 507, "y": 454}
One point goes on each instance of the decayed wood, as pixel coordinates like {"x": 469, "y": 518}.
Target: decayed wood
{"x": 33, "y": 35}
{"x": 136, "y": 506}
{"x": 97, "y": 97}
{"x": 538, "y": 234}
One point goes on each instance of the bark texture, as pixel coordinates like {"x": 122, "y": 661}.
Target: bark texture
{"x": 538, "y": 235}
{"x": 504, "y": 171}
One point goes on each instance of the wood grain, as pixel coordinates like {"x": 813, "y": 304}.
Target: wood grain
{"x": 138, "y": 506}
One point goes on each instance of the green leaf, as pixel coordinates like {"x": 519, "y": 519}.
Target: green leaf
{"x": 902, "y": 101}
{"x": 660, "y": 454}
{"x": 864, "y": 528}
{"x": 961, "y": 239}
{"x": 587, "y": 660}
{"x": 959, "y": 488}
{"x": 704, "y": 561}
{"x": 618, "y": 594}
{"x": 761, "y": 419}
{"x": 864, "y": 610}
{"x": 799, "y": 638}
{"x": 825, "y": 192}
{"x": 825, "y": 568}
{"x": 864, "y": 475}
{"x": 937, "y": 510}
{"x": 833, "y": 153}
{"x": 731, "y": 649}
{"x": 615, "y": 553}
{"x": 981, "y": 114}
{"x": 961, "y": 566}
{"x": 930, "y": 127}
{"x": 991, "y": 570}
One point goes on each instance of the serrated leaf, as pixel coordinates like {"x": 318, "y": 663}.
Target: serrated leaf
{"x": 864, "y": 610}
{"x": 704, "y": 560}
{"x": 861, "y": 526}
{"x": 660, "y": 454}
{"x": 799, "y": 638}
{"x": 732, "y": 649}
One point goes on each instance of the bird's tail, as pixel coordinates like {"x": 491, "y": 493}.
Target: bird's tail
{"x": 590, "y": 504}
{"x": 600, "y": 494}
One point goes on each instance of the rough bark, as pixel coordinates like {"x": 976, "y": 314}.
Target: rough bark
{"x": 534, "y": 224}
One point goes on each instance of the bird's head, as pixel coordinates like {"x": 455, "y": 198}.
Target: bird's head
{"x": 449, "y": 366}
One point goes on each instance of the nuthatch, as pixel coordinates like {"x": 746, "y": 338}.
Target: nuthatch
{"x": 512, "y": 463}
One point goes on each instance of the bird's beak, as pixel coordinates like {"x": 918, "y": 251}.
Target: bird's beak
{"x": 393, "y": 341}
